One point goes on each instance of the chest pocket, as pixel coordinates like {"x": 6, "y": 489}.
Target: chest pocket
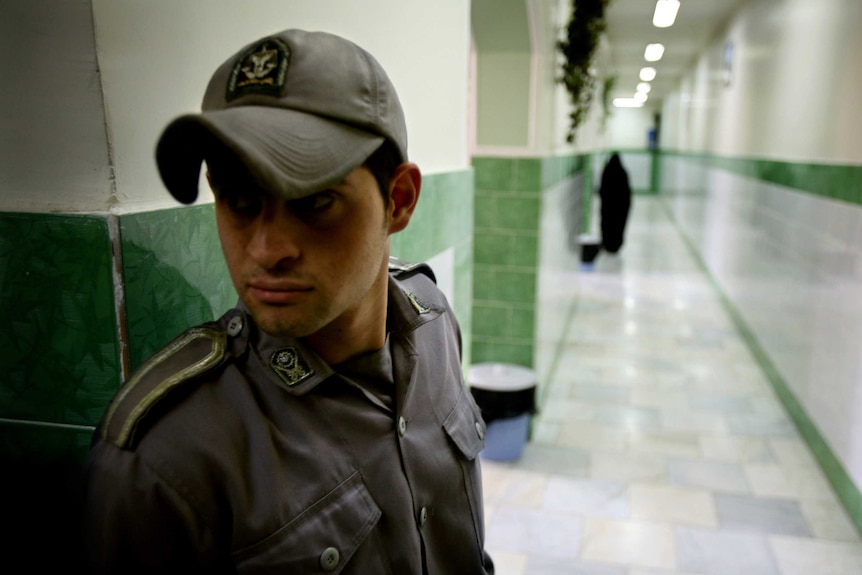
{"x": 465, "y": 427}
{"x": 322, "y": 539}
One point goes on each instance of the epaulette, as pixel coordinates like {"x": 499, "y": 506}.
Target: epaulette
{"x": 194, "y": 352}
{"x": 403, "y": 271}
{"x": 401, "y": 268}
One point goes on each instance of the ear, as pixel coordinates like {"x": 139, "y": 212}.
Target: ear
{"x": 403, "y": 195}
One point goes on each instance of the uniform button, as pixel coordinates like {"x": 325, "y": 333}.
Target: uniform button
{"x": 402, "y": 426}
{"x": 234, "y": 326}
{"x": 329, "y": 559}
{"x": 423, "y": 516}
{"x": 480, "y": 430}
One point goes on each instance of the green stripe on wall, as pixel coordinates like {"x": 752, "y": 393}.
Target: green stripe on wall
{"x": 846, "y": 490}
{"x": 832, "y": 181}
{"x": 443, "y": 217}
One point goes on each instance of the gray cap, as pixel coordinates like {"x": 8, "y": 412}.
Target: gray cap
{"x": 300, "y": 109}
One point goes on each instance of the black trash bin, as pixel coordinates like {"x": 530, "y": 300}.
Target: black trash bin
{"x": 590, "y": 247}
{"x": 506, "y": 394}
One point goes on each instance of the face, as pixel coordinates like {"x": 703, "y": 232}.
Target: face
{"x": 303, "y": 266}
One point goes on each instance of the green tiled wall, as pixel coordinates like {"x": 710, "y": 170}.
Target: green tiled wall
{"x": 59, "y": 351}
{"x": 833, "y": 181}
{"x": 443, "y": 217}
{"x": 174, "y": 273}
{"x": 61, "y": 363}
{"x": 506, "y": 248}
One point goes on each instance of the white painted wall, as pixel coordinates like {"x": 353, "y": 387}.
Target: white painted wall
{"x": 628, "y": 128}
{"x": 788, "y": 260}
{"x": 538, "y": 121}
{"x": 504, "y": 112}
{"x": 545, "y": 18}
{"x": 156, "y": 57}
{"x": 53, "y": 147}
{"x": 794, "y": 89}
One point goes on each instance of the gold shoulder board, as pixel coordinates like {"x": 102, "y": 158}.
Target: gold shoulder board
{"x": 192, "y": 353}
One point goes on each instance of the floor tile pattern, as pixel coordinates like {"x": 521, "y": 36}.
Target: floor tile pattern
{"x": 660, "y": 447}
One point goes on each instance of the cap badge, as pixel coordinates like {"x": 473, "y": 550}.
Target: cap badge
{"x": 290, "y": 366}
{"x": 262, "y": 69}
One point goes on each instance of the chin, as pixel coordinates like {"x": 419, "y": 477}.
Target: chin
{"x": 279, "y": 328}
{"x": 267, "y": 319}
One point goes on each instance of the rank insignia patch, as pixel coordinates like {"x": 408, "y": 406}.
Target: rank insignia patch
{"x": 289, "y": 365}
{"x": 262, "y": 69}
{"x": 417, "y": 303}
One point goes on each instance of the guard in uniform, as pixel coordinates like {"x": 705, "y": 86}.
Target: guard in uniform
{"x": 251, "y": 444}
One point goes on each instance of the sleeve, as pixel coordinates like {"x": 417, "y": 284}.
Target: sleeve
{"x": 137, "y": 522}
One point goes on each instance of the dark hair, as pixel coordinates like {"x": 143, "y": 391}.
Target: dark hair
{"x": 382, "y": 164}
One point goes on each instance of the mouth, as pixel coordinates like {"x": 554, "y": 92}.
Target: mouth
{"x": 278, "y": 293}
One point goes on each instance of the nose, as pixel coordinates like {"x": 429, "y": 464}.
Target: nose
{"x": 273, "y": 243}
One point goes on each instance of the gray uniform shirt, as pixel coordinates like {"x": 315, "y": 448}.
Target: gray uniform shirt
{"x": 234, "y": 451}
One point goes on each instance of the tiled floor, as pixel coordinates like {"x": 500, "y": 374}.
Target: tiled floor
{"x": 660, "y": 447}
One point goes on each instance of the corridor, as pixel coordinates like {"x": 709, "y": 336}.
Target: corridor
{"x": 660, "y": 447}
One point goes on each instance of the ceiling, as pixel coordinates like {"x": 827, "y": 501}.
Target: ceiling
{"x": 630, "y": 29}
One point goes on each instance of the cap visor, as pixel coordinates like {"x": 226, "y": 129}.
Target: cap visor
{"x": 290, "y": 154}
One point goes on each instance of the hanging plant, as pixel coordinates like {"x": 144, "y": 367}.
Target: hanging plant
{"x": 578, "y": 47}
{"x": 607, "y": 88}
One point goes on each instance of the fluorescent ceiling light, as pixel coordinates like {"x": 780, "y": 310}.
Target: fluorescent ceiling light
{"x": 627, "y": 103}
{"x": 641, "y": 97}
{"x": 647, "y": 74}
{"x": 653, "y": 52}
{"x": 644, "y": 87}
{"x": 665, "y": 13}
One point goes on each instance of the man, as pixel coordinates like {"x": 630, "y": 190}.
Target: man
{"x": 323, "y": 425}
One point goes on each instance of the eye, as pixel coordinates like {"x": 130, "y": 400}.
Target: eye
{"x": 314, "y": 204}
{"x": 243, "y": 205}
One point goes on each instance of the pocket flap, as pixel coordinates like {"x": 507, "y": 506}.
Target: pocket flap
{"x": 466, "y": 427}
{"x": 322, "y": 538}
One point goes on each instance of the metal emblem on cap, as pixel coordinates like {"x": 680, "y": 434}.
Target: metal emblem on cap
{"x": 262, "y": 69}
{"x": 290, "y": 366}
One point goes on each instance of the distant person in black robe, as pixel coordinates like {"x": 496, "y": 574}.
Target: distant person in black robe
{"x": 616, "y": 199}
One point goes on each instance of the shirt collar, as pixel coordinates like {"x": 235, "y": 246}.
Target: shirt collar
{"x": 293, "y": 365}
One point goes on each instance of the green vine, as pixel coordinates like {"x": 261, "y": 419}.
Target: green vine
{"x": 578, "y": 47}
{"x": 607, "y": 88}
